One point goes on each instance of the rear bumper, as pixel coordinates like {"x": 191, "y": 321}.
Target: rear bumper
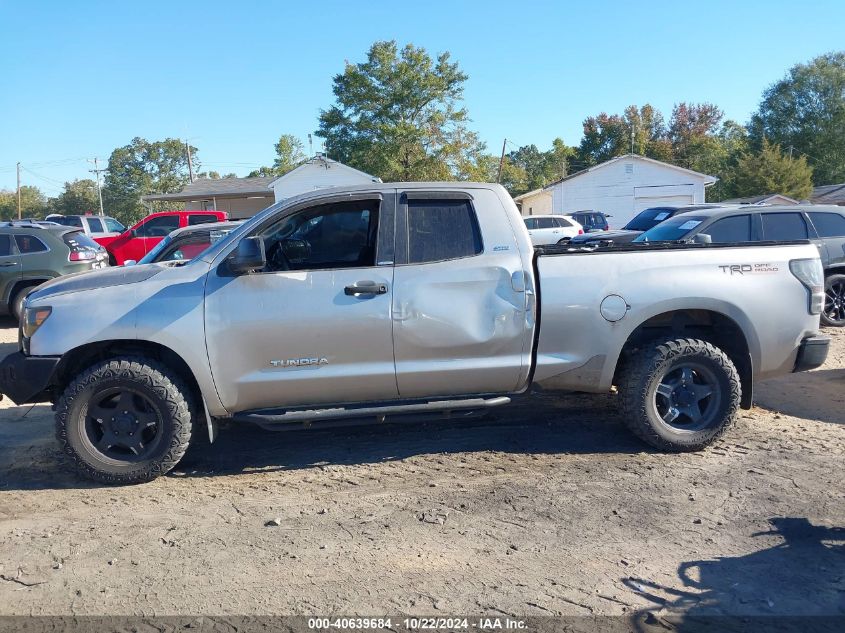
{"x": 811, "y": 353}
{"x": 27, "y": 378}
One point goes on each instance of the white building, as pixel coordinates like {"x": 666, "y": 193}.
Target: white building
{"x": 318, "y": 173}
{"x": 620, "y": 188}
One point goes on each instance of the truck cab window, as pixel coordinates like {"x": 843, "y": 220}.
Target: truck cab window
{"x": 442, "y": 229}
{"x": 159, "y": 227}
{"x": 329, "y": 236}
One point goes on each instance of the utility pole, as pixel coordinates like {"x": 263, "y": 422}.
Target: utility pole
{"x": 190, "y": 164}
{"x": 310, "y": 147}
{"x": 790, "y": 151}
{"x": 632, "y": 137}
{"x": 19, "y": 191}
{"x": 501, "y": 161}
{"x": 96, "y": 171}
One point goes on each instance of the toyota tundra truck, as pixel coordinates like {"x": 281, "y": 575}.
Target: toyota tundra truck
{"x": 398, "y": 302}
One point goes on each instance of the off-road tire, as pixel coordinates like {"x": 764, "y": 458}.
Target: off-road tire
{"x": 645, "y": 367}
{"x": 166, "y": 391}
{"x": 829, "y": 283}
{"x": 16, "y": 305}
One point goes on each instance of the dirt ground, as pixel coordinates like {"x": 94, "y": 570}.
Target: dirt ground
{"x": 546, "y": 507}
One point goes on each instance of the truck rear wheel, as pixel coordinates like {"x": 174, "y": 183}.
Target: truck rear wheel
{"x": 125, "y": 421}
{"x": 679, "y": 394}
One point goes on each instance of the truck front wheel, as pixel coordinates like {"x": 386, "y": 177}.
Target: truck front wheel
{"x": 125, "y": 421}
{"x": 679, "y": 394}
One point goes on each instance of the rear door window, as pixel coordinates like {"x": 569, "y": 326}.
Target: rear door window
{"x": 562, "y": 222}
{"x": 95, "y": 225}
{"x": 30, "y": 244}
{"x": 784, "y": 227}
{"x": 5, "y": 246}
{"x": 733, "y": 229}
{"x": 201, "y": 218}
{"x": 445, "y": 229}
{"x": 828, "y": 224}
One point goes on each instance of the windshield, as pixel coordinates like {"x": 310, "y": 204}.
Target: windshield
{"x": 671, "y": 230}
{"x": 648, "y": 219}
{"x": 185, "y": 246}
{"x": 113, "y": 226}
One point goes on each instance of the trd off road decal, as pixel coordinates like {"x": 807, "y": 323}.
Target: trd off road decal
{"x": 748, "y": 269}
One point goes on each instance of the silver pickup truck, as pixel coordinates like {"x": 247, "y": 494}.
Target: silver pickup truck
{"x": 396, "y": 301}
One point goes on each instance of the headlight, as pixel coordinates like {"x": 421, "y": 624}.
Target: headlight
{"x": 810, "y": 273}
{"x": 33, "y": 318}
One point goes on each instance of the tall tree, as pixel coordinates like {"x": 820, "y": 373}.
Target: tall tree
{"x": 528, "y": 168}
{"x": 144, "y": 167}
{"x": 806, "y": 111}
{"x": 79, "y": 197}
{"x": 607, "y": 136}
{"x": 398, "y": 115}
{"x": 33, "y": 203}
{"x": 692, "y": 132}
{"x": 772, "y": 171}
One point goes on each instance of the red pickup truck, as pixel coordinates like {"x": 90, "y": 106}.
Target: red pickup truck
{"x": 140, "y": 239}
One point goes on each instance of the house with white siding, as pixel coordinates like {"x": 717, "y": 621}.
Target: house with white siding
{"x": 619, "y": 188}
{"x": 318, "y": 173}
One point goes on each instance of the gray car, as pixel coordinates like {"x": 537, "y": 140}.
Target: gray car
{"x": 824, "y": 226}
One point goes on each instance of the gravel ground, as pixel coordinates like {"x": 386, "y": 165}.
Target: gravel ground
{"x": 546, "y": 507}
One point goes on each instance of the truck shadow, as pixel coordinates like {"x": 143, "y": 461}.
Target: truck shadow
{"x": 794, "y": 585}
{"x": 575, "y": 424}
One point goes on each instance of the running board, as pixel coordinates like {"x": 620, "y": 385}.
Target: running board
{"x": 339, "y": 416}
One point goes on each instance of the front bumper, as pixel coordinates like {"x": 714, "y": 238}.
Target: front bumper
{"x": 812, "y": 353}
{"x": 26, "y": 378}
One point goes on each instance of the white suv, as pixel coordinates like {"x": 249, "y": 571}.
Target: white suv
{"x": 91, "y": 225}
{"x": 551, "y": 229}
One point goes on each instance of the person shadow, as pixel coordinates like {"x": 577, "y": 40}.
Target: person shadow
{"x": 797, "y": 584}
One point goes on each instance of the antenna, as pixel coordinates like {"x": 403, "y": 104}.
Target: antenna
{"x": 310, "y": 146}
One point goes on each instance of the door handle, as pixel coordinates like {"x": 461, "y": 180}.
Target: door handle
{"x": 365, "y": 288}
{"x": 7, "y": 264}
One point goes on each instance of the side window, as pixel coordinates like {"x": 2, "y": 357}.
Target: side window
{"x": 530, "y": 223}
{"x": 828, "y": 224}
{"x": 95, "y": 225}
{"x": 545, "y": 223}
{"x": 562, "y": 222}
{"x": 733, "y": 229}
{"x": 72, "y": 221}
{"x": 5, "y": 246}
{"x": 30, "y": 244}
{"x": 201, "y": 218}
{"x": 159, "y": 227}
{"x": 329, "y": 236}
{"x": 114, "y": 225}
{"x": 784, "y": 227}
{"x": 443, "y": 229}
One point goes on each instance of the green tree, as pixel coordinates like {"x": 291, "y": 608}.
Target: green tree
{"x": 806, "y": 111}
{"x": 692, "y": 132}
{"x": 528, "y": 168}
{"x": 398, "y": 116}
{"x": 289, "y": 155}
{"x": 144, "y": 167}
{"x": 79, "y": 197}
{"x": 771, "y": 171}
{"x": 33, "y": 203}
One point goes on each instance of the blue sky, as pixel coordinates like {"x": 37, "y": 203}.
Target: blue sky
{"x": 81, "y": 78}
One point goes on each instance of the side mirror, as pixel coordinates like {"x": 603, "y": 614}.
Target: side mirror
{"x": 129, "y": 262}
{"x": 702, "y": 238}
{"x": 249, "y": 255}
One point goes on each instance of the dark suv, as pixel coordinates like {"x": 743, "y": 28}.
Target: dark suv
{"x": 823, "y": 225}
{"x": 592, "y": 221}
{"x": 31, "y": 254}
{"x": 643, "y": 221}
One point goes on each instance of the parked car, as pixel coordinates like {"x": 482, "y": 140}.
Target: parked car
{"x": 92, "y": 225}
{"x": 139, "y": 240}
{"x": 32, "y": 253}
{"x": 186, "y": 243}
{"x": 643, "y": 221}
{"x": 590, "y": 221}
{"x": 824, "y": 226}
{"x": 551, "y": 229}
{"x": 319, "y": 311}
